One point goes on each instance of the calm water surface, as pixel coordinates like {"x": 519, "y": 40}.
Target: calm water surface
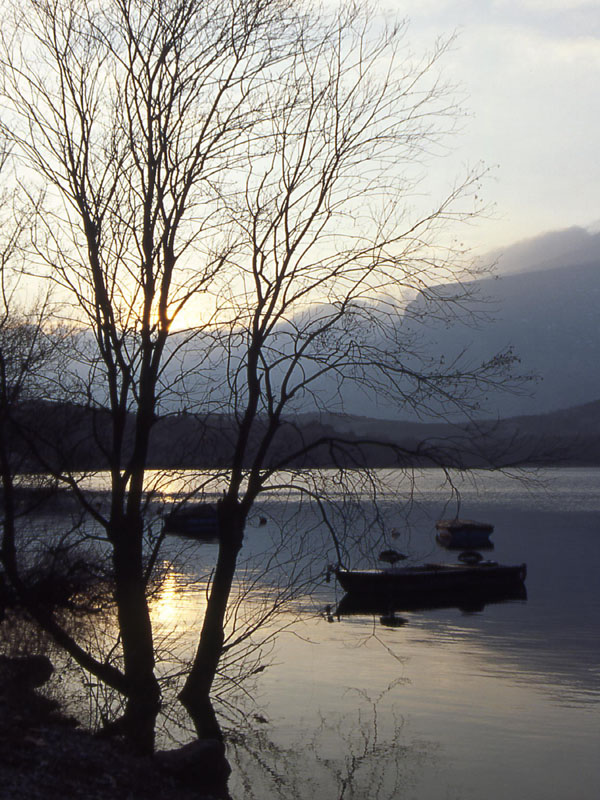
{"x": 499, "y": 703}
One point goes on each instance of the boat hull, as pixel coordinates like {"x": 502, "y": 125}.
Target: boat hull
{"x": 199, "y": 522}
{"x": 433, "y": 578}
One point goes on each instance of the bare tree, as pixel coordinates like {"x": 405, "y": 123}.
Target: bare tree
{"x": 129, "y": 113}
{"x": 320, "y": 288}
{"x": 31, "y": 356}
{"x": 228, "y": 185}
{"x": 25, "y": 351}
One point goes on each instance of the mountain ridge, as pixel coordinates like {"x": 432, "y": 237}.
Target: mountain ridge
{"x": 570, "y": 436}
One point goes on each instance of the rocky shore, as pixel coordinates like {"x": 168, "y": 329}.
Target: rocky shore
{"x": 44, "y": 755}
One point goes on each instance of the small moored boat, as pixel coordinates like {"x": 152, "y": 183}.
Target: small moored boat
{"x": 199, "y": 521}
{"x": 435, "y": 578}
{"x": 463, "y": 533}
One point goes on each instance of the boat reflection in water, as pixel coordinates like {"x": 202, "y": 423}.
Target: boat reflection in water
{"x": 469, "y": 600}
{"x": 460, "y": 541}
{"x": 469, "y": 587}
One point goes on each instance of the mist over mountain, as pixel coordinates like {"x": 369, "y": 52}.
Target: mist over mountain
{"x": 549, "y": 315}
{"x": 551, "y": 318}
{"x": 547, "y": 251}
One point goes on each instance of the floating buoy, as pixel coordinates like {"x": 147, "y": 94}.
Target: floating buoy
{"x": 391, "y": 556}
{"x": 470, "y": 557}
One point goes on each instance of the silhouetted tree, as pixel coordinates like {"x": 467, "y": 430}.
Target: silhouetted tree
{"x": 227, "y": 212}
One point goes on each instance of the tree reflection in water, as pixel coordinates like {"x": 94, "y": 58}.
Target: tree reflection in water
{"x": 356, "y": 754}
{"x": 352, "y": 755}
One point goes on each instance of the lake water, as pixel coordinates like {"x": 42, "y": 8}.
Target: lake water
{"x": 502, "y": 702}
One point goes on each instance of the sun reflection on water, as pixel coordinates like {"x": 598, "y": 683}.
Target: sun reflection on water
{"x": 178, "y": 607}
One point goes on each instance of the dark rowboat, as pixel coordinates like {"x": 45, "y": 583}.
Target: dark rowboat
{"x": 434, "y": 578}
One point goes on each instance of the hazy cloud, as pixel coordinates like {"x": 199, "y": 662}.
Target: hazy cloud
{"x": 531, "y": 71}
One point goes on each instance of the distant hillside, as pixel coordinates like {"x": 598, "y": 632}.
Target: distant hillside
{"x": 551, "y": 318}
{"x": 546, "y": 306}
{"x": 548, "y": 251}
{"x": 567, "y": 437}
{"x": 65, "y": 436}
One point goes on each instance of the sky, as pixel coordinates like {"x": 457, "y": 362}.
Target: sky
{"x": 530, "y": 72}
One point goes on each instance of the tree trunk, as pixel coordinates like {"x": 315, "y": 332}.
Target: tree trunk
{"x": 195, "y": 694}
{"x": 143, "y": 692}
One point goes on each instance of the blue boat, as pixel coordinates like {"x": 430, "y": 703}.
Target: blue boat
{"x": 199, "y": 521}
{"x": 464, "y": 534}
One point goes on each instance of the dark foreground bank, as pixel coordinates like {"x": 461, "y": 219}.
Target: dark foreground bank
{"x": 43, "y": 754}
